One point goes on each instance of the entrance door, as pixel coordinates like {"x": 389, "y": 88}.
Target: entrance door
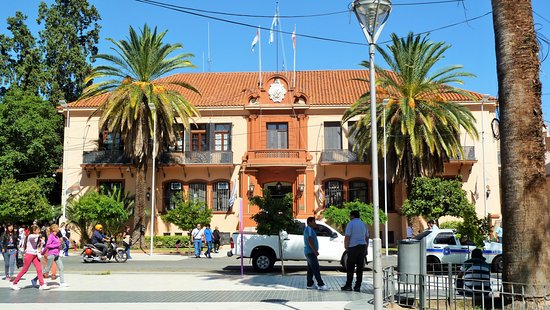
{"x": 278, "y": 189}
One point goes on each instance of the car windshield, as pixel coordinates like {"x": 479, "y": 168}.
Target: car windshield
{"x": 423, "y": 234}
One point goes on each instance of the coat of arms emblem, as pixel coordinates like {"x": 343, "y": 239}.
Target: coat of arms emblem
{"x": 277, "y": 91}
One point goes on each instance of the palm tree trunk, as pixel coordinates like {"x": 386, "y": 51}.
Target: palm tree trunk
{"x": 525, "y": 209}
{"x": 141, "y": 201}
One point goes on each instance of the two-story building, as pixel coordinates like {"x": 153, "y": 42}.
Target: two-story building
{"x": 276, "y": 136}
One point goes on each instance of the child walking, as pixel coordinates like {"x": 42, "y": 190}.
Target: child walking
{"x": 32, "y": 245}
{"x": 52, "y": 247}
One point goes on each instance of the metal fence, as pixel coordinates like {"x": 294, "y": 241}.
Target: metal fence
{"x": 439, "y": 290}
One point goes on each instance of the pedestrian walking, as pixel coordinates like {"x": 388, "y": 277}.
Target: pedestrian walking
{"x": 208, "y": 240}
{"x": 356, "y": 241}
{"x": 311, "y": 251}
{"x": 127, "y": 241}
{"x": 52, "y": 248}
{"x": 498, "y": 233}
{"x": 65, "y": 237}
{"x": 216, "y": 239}
{"x": 198, "y": 235}
{"x": 32, "y": 256}
{"x": 10, "y": 241}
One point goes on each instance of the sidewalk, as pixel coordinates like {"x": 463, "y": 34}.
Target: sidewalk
{"x": 191, "y": 290}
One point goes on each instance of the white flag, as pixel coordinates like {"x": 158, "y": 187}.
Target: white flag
{"x": 294, "y": 38}
{"x": 233, "y": 194}
{"x": 274, "y": 24}
{"x": 256, "y": 39}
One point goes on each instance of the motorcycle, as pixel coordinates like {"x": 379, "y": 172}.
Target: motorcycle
{"x": 92, "y": 254}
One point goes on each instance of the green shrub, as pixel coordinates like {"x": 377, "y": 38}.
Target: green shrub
{"x": 168, "y": 241}
{"x": 450, "y": 225}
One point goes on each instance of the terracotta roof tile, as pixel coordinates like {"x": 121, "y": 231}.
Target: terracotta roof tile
{"x": 225, "y": 89}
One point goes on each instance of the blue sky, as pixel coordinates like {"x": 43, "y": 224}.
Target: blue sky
{"x": 472, "y": 42}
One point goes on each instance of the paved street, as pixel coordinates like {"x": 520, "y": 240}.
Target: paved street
{"x": 156, "y": 283}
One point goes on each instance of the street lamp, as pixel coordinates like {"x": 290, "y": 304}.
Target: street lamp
{"x": 372, "y": 15}
{"x": 385, "y": 103}
{"x": 153, "y": 109}
{"x": 65, "y": 106}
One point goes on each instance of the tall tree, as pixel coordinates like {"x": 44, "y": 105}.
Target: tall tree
{"x": 525, "y": 208}
{"x": 30, "y": 145}
{"x": 134, "y": 84}
{"x": 68, "y": 44}
{"x": 423, "y": 126}
{"x": 20, "y": 58}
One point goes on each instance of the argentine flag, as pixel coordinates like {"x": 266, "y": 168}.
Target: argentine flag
{"x": 256, "y": 39}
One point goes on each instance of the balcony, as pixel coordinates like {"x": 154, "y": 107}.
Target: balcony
{"x": 340, "y": 156}
{"x": 105, "y": 157}
{"x": 277, "y": 157}
{"x": 196, "y": 158}
{"x": 469, "y": 154}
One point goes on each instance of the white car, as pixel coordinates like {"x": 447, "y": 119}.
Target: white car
{"x": 443, "y": 246}
{"x": 264, "y": 250}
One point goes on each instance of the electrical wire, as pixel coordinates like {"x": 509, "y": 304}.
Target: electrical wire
{"x": 186, "y": 11}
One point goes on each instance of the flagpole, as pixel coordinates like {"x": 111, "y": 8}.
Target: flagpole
{"x": 277, "y": 39}
{"x": 260, "y": 54}
{"x": 294, "y": 45}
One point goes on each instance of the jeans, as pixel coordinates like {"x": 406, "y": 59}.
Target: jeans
{"x": 313, "y": 270}
{"x": 66, "y": 248}
{"x": 59, "y": 263}
{"x": 198, "y": 246}
{"x": 127, "y": 250}
{"x": 9, "y": 261}
{"x": 102, "y": 247}
{"x": 216, "y": 245}
{"x": 208, "y": 248}
{"x": 356, "y": 260}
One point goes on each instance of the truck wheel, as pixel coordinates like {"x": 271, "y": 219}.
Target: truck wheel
{"x": 498, "y": 264}
{"x": 433, "y": 265}
{"x": 263, "y": 262}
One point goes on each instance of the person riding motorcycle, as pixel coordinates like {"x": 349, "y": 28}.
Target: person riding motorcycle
{"x": 98, "y": 239}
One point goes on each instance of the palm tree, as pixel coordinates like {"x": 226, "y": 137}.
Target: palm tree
{"x": 133, "y": 82}
{"x": 423, "y": 127}
{"x": 524, "y": 192}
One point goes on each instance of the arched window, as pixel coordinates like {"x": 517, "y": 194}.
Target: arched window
{"x": 197, "y": 191}
{"x": 173, "y": 191}
{"x": 358, "y": 190}
{"x": 221, "y": 195}
{"x": 334, "y": 194}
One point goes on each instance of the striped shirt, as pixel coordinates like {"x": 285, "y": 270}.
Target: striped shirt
{"x": 477, "y": 276}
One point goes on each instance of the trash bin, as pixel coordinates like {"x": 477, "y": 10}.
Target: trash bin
{"x": 411, "y": 260}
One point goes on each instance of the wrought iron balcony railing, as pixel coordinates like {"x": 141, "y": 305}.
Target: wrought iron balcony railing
{"x": 105, "y": 157}
{"x": 202, "y": 157}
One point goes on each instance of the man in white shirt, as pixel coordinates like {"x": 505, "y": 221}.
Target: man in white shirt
{"x": 197, "y": 236}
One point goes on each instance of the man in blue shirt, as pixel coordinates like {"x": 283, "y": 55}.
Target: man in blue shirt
{"x": 355, "y": 242}
{"x": 98, "y": 239}
{"x": 208, "y": 240}
{"x": 311, "y": 251}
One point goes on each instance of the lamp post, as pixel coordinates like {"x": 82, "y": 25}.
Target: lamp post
{"x": 65, "y": 106}
{"x": 372, "y": 15}
{"x": 483, "y": 100}
{"x": 152, "y": 228}
{"x": 385, "y": 103}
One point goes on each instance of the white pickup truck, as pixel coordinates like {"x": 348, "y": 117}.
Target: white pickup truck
{"x": 264, "y": 249}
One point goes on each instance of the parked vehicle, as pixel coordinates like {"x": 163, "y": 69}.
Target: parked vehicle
{"x": 264, "y": 249}
{"x": 93, "y": 254}
{"x": 443, "y": 246}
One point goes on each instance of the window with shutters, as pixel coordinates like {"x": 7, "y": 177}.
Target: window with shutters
{"x": 221, "y": 195}
{"x": 277, "y": 135}
{"x": 358, "y": 191}
{"x": 197, "y": 192}
{"x": 173, "y": 192}
{"x": 222, "y": 137}
{"x": 199, "y": 138}
{"x": 333, "y": 136}
{"x": 334, "y": 194}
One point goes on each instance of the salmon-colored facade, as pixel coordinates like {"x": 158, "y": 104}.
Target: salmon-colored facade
{"x": 274, "y": 135}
